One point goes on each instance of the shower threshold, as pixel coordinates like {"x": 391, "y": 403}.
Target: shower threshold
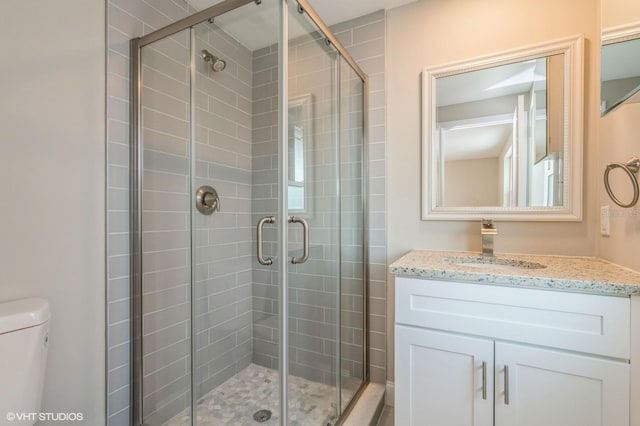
{"x": 255, "y": 388}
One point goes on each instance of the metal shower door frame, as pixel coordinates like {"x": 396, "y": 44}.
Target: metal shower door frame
{"x": 136, "y": 185}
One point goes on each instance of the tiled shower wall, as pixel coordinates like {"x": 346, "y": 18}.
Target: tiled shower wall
{"x": 364, "y": 38}
{"x": 165, "y": 232}
{"x": 264, "y": 190}
{"x": 313, "y": 286}
{"x": 224, "y": 240}
{"x": 222, "y": 255}
{"x": 310, "y": 344}
{"x": 130, "y": 18}
{"x": 312, "y": 311}
{"x": 352, "y": 221}
{"x": 126, "y": 19}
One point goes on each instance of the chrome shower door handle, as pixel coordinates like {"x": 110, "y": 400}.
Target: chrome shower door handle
{"x": 305, "y": 239}
{"x": 261, "y": 222}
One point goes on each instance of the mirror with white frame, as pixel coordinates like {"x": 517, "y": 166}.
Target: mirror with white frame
{"x": 620, "y": 54}
{"x": 502, "y": 135}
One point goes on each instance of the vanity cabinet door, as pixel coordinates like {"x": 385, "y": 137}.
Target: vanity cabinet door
{"x": 554, "y": 388}
{"x": 439, "y": 379}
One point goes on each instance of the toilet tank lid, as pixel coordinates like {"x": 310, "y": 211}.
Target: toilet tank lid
{"x": 23, "y": 313}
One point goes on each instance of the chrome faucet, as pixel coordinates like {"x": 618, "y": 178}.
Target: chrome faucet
{"x": 487, "y": 230}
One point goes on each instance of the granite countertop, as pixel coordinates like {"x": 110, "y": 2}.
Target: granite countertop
{"x": 567, "y": 273}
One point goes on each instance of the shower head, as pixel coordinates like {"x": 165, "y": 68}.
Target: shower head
{"x": 217, "y": 64}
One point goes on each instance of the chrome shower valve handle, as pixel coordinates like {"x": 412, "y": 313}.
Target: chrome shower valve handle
{"x": 207, "y": 200}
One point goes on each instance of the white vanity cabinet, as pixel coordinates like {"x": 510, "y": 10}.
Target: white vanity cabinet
{"x": 558, "y": 388}
{"x": 439, "y": 378}
{"x": 474, "y": 354}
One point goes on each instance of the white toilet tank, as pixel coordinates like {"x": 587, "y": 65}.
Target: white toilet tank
{"x": 24, "y": 329}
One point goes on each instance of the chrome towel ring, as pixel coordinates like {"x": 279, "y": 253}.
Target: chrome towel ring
{"x": 631, "y": 167}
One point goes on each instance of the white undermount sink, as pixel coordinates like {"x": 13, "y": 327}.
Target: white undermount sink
{"x": 501, "y": 263}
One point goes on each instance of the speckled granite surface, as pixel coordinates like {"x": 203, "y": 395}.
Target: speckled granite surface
{"x": 579, "y": 274}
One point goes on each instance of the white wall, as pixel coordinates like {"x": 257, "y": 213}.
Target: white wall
{"x": 473, "y": 182}
{"x": 619, "y": 142}
{"x": 620, "y": 12}
{"x": 52, "y": 186}
{"x": 619, "y": 132}
{"x": 432, "y": 32}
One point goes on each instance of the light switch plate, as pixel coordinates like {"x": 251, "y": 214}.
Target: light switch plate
{"x": 605, "y": 229}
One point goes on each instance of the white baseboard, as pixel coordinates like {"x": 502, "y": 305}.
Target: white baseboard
{"x": 390, "y": 394}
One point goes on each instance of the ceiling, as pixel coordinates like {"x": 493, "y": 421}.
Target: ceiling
{"x": 620, "y": 60}
{"x": 487, "y": 137}
{"x": 490, "y": 83}
{"x": 488, "y": 142}
{"x": 257, "y": 26}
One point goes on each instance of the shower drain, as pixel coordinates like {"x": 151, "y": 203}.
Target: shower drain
{"x": 262, "y": 416}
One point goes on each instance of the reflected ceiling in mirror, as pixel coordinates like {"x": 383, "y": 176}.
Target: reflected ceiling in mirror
{"x": 502, "y": 135}
{"x": 620, "y": 69}
{"x": 620, "y": 54}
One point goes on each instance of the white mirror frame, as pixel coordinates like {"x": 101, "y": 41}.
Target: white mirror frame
{"x": 571, "y": 210}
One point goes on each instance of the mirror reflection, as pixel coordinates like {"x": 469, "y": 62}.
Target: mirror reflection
{"x": 620, "y": 54}
{"x": 496, "y": 144}
{"x": 502, "y": 135}
{"x": 620, "y": 68}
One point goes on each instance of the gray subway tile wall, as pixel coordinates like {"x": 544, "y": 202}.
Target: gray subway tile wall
{"x": 352, "y": 222}
{"x": 165, "y": 214}
{"x": 370, "y": 30}
{"x": 302, "y": 81}
{"x": 264, "y": 192}
{"x": 223, "y": 240}
{"x": 126, "y": 19}
{"x": 222, "y": 312}
{"x": 235, "y": 146}
{"x": 307, "y": 283}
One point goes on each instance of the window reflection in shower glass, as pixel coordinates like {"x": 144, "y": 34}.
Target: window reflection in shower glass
{"x": 300, "y": 142}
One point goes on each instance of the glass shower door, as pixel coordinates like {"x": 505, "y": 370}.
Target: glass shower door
{"x": 207, "y": 350}
{"x": 233, "y": 187}
{"x": 165, "y": 239}
{"x": 313, "y": 196}
{"x": 352, "y": 241}
{"x": 250, "y": 223}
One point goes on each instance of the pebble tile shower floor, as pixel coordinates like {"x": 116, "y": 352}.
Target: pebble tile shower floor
{"x": 255, "y": 388}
